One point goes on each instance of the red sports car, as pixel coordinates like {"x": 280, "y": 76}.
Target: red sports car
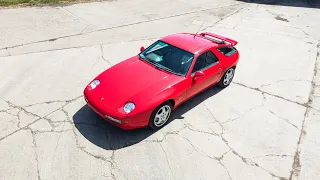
{"x": 144, "y": 89}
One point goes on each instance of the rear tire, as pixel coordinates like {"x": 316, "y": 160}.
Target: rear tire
{"x": 160, "y": 115}
{"x": 227, "y": 77}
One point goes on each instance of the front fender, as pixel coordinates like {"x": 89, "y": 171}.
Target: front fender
{"x": 146, "y": 102}
{"x": 161, "y": 97}
{"x": 145, "y": 106}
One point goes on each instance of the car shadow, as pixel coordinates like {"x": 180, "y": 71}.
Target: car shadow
{"x": 293, "y": 3}
{"x": 109, "y": 137}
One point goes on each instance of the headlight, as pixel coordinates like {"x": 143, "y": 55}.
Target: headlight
{"x": 94, "y": 84}
{"x": 129, "y": 107}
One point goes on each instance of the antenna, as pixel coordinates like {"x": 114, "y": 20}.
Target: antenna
{"x": 198, "y": 30}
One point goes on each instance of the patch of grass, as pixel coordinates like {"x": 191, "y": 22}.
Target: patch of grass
{"x": 8, "y": 3}
{"x": 12, "y": 2}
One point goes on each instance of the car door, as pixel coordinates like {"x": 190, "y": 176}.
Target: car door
{"x": 209, "y": 64}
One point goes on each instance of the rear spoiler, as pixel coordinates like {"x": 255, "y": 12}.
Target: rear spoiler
{"x": 222, "y": 38}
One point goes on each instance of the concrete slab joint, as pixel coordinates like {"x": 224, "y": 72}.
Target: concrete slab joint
{"x": 265, "y": 125}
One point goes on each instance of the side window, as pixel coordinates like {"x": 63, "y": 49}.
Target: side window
{"x": 211, "y": 58}
{"x": 200, "y": 63}
{"x": 204, "y": 60}
{"x": 227, "y": 51}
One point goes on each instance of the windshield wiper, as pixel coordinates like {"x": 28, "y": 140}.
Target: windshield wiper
{"x": 167, "y": 69}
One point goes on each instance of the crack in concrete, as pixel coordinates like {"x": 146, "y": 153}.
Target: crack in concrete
{"x": 271, "y": 155}
{"x": 78, "y": 47}
{"x": 220, "y": 161}
{"x": 76, "y": 16}
{"x": 245, "y": 160}
{"x": 206, "y": 155}
{"x": 4, "y": 110}
{"x": 186, "y": 126}
{"x": 46, "y": 102}
{"x": 85, "y": 28}
{"x": 49, "y": 50}
{"x": 51, "y": 123}
{"x": 199, "y": 150}
{"x": 277, "y": 96}
{"x": 222, "y": 156}
{"x": 279, "y": 17}
{"x": 103, "y": 175}
{"x": 286, "y": 120}
{"x": 249, "y": 110}
{"x": 125, "y": 25}
{"x": 114, "y": 165}
{"x": 82, "y": 148}
{"x": 295, "y": 80}
{"x": 35, "y": 152}
{"x": 8, "y": 51}
{"x": 67, "y": 115}
{"x": 102, "y": 55}
{"x": 296, "y": 166}
{"x": 7, "y": 111}
{"x": 167, "y": 134}
{"x": 20, "y": 108}
{"x": 9, "y": 114}
{"x": 303, "y": 31}
{"x": 226, "y": 170}
{"x": 190, "y": 127}
{"x": 254, "y": 164}
{"x": 38, "y": 118}
{"x": 224, "y": 17}
{"x": 51, "y": 131}
{"x": 215, "y": 119}
{"x": 4, "y": 137}
{"x": 172, "y": 174}
{"x": 19, "y": 120}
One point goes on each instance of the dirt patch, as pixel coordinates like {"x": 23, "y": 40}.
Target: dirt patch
{"x": 42, "y": 3}
{"x": 281, "y": 19}
{"x": 296, "y": 167}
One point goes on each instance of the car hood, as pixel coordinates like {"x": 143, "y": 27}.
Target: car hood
{"x": 127, "y": 79}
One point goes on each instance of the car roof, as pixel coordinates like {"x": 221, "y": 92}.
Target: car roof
{"x": 189, "y": 42}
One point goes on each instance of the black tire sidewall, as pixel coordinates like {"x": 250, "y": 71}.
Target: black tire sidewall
{"x": 222, "y": 78}
{"x": 151, "y": 119}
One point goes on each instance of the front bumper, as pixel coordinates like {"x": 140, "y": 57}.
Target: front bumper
{"x": 126, "y": 123}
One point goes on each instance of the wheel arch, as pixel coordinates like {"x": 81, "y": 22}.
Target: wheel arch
{"x": 173, "y": 102}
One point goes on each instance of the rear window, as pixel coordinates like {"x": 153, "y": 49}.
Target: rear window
{"x": 227, "y": 50}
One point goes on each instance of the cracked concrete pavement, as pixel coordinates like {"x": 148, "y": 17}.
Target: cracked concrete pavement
{"x": 265, "y": 125}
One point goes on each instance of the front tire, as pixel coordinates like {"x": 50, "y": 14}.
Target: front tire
{"x": 227, "y": 77}
{"x": 160, "y": 115}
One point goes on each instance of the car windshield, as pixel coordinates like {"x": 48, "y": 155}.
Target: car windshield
{"x": 168, "y": 57}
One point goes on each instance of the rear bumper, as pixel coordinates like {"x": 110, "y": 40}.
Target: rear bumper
{"x": 125, "y": 123}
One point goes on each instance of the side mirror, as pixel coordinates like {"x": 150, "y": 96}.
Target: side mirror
{"x": 141, "y": 49}
{"x": 198, "y": 74}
